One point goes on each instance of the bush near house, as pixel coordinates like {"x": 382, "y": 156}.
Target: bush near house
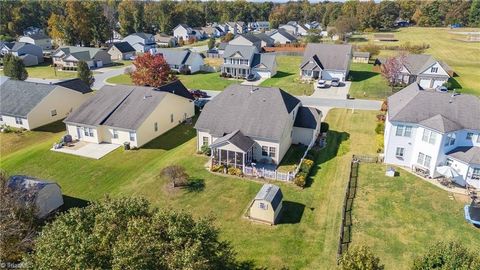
{"x": 205, "y": 149}
{"x": 234, "y": 171}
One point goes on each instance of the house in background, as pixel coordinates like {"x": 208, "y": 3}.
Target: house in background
{"x": 70, "y": 56}
{"x": 424, "y": 69}
{"x": 265, "y": 40}
{"x": 237, "y": 27}
{"x": 247, "y": 39}
{"x": 141, "y": 42}
{"x": 326, "y": 61}
{"x": 244, "y": 125}
{"x": 130, "y": 114}
{"x": 361, "y": 57}
{"x": 259, "y": 26}
{"x": 313, "y": 25}
{"x": 185, "y": 32}
{"x": 179, "y": 60}
{"x": 39, "y": 39}
{"x": 267, "y": 205}
{"x": 32, "y": 30}
{"x": 31, "y": 105}
{"x": 164, "y": 40}
{"x": 281, "y": 36}
{"x": 427, "y": 129}
{"x": 240, "y": 61}
{"x": 45, "y": 196}
{"x": 121, "y": 51}
{"x": 212, "y": 31}
{"x": 30, "y": 54}
{"x": 290, "y": 27}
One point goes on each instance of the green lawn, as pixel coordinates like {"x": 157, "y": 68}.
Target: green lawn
{"x": 308, "y": 235}
{"x": 45, "y": 71}
{"x": 201, "y": 80}
{"x": 292, "y": 158}
{"x": 463, "y": 57}
{"x": 288, "y": 78}
{"x": 366, "y": 83}
{"x": 401, "y": 217}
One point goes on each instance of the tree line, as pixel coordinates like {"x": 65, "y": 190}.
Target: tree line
{"x": 92, "y": 22}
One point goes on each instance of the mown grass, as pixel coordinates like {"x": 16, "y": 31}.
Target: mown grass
{"x": 308, "y": 234}
{"x": 366, "y": 83}
{"x": 292, "y": 158}
{"x": 401, "y": 217}
{"x": 45, "y": 71}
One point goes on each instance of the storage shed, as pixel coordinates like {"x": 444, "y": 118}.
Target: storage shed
{"x": 46, "y": 196}
{"x": 267, "y": 205}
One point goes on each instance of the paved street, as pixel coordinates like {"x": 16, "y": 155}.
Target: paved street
{"x": 100, "y": 78}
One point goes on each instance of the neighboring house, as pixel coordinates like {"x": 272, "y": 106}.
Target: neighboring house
{"x": 426, "y": 129}
{"x": 384, "y": 37}
{"x": 245, "y": 124}
{"x": 222, "y": 26}
{"x": 221, "y": 48}
{"x": 237, "y": 27}
{"x": 302, "y": 30}
{"x": 130, "y": 114}
{"x": 313, "y": 25}
{"x": 267, "y": 205}
{"x": 121, "y": 51}
{"x": 116, "y": 36}
{"x": 39, "y": 39}
{"x": 259, "y": 26}
{"x": 361, "y": 57}
{"x": 265, "y": 40}
{"x": 70, "y": 56}
{"x": 185, "y": 32}
{"x": 32, "y": 30}
{"x": 31, "y": 105}
{"x": 283, "y": 37}
{"x": 45, "y": 196}
{"x": 240, "y": 61}
{"x": 164, "y": 40}
{"x": 247, "y": 39}
{"x": 425, "y": 70}
{"x": 6, "y": 47}
{"x": 290, "y": 28}
{"x": 326, "y": 61}
{"x": 30, "y": 54}
{"x": 179, "y": 60}
{"x": 142, "y": 42}
{"x": 212, "y": 31}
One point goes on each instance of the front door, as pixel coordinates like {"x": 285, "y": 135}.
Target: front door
{"x": 79, "y": 133}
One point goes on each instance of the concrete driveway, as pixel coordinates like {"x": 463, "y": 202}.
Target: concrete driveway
{"x": 89, "y": 150}
{"x": 254, "y": 83}
{"x": 105, "y": 73}
{"x": 339, "y": 92}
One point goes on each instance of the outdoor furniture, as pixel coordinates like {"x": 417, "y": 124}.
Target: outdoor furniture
{"x": 390, "y": 172}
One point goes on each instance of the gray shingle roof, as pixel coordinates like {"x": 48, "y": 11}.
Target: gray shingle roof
{"x": 331, "y": 56}
{"x": 265, "y": 38}
{"x": 246, "y": 51}
{"x": 436, "y": 110}
{"x": 468, "y": 154}
{"x": 18, "y": 45}
{"x": 76, "y": 84}
{"x": 262, "y": 113}
{"x": 38, "y": 36}
{"x": 143, "y": 35}
{"x": 18, "y": 98}
{"x": 417, "y": 63}
{"x": 73, "y": 49}
{"x": 264, "y": 59}
{"x": 123, "y": 47}
{"x": 270, "y": 193}
{"x": 177, "y": 57}
{"x": 307, "y": 117}
{"x": 236, "y": 138}
{"x": 28, "y": 186}
{"x": 286, "y": 34}
{"x": 251, "y": 37}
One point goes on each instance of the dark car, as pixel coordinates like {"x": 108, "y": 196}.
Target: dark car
{"x": 251, "y": 77}
{"x": 199, "y": 94}
{"x": 200, "y": 103}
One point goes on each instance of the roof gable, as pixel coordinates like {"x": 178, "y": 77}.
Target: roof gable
{"x": 18, "y": 98}
{"x": 329, "y": 56}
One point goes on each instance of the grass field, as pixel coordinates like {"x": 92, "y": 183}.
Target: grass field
{"x": 308, "y": 235}
{"x": 45, "y": 71}
{"x": 287, "y": 77}
{"x": 462, "y": 57}
{"x": 366, "y": 83}
{"x": 401, "y": 217}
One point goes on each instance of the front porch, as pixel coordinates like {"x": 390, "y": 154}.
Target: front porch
{"x": 236, "y": 72}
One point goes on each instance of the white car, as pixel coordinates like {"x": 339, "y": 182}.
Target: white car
{"x": 322, "y": 84}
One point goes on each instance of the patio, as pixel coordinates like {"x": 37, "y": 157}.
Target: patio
{"x": 87, "y": 149}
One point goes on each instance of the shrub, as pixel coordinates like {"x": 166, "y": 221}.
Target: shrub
{"x": 324, "y": 127}
{"x": 306, "y": 166}
{"x": 360, "y": 258}
{"x": 299, "y": 180}
{"x": 234, "y": 171}
{"x": 223, "y": 74}
{"x": 176, "y": 175}
{"x": 205, "y": 149}
{"x": 379, "y": 142}
{"x": 380, "y": 128}
{"x": 451, "y": 255}
{"x": 216, "y": 168}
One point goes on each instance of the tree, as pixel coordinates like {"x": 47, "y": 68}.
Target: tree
{"x": 14, "y": 68}
{"x": 151, "y": 70}
{"x": 373, "y": 49}
{"x": 313, "y": 36}
{"x": 392, "y": 68}
{"x": 130, "y": 17}
{"x": 388, "y": 12}
{"x": 84, "y": 73}
{"x": 211, "y": 43}
{"x": 447, "y": 255}
{"x": 359, "y": 258}
{"x": 474, "y": 16}
{"x": 345, "y": 25}
{"x": 181, "y": 42}
{"x": 176, "y": 175}
{"x": 127, "y": 233}
{"x": 229, "y": 36}
{"x": 18, "y": 226}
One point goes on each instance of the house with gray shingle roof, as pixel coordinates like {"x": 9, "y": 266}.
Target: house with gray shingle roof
{"x": 69, "y": 56}
{"x": 247, "y": 39}
{"x": 282, "y": 36}
{"x": 180, "y": 60}
{"x": 239, "y": 61}
{"x": 326, "y": 61}
{"x": 425, "y": 70}
{"x": 244, "y": 125}
{"x": 39, "y": 39}
{"x": 185, "y": 32}
{"x": 129, "y": 113}
{"x": 427, "y": 129}
{"x": 267, "y": 205}
{"x": 31, "y": 105}
{"x": 141, "y": 42}
{"x": 121, "y": 51}
{"x": 30, "y": 54}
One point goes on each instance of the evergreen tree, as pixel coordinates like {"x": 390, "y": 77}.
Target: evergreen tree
{"x": 84, "y": 73}
{"x": 14, "y": 68}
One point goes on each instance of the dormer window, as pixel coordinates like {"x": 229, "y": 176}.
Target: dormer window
{"x": 434, "y": 69}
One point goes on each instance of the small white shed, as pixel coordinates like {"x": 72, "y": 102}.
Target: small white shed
{"x": 47, "y": 196}
{"x": 267, "y": 205}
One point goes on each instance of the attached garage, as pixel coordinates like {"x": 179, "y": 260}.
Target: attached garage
{"x": 263, "y": 74}
{"x": 425, "y": 83}
{"x": 329, "y": 75}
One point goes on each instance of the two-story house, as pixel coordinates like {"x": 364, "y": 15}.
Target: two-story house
{"x": 259, "y": 26}
{"x": 185, "y": 32}
{"x": 248, "y": 39}
{"x": 426, "y": 129}
{"x": 141, "y": 42}
{"x": 239, "y": 61}
{"x": 39, "y": 39}
{"x": 326, "y": 61}
{"x": 425, "y": 70}
{"x": 30, "y": 54}
{"x": 237, "y": 27}
{"x": 242, "y": 125}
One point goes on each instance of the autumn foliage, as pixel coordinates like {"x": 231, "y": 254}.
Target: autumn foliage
{"x": 151, "y": 70}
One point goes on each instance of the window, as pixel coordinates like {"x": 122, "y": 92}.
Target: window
{"x": 272, "y": 152}
{"x": 1, "y": 118}
{"x": 85, "y": 131}
{"x": 429, "y": 136}
{"x": 53, "y": 112}
{"x": 449, "y": 162}
{"x": 476, "y": 171}
{"x": 400, "y": 152}
{"x": 155, "y": 126}
{"x": 205, "y": 141}
{"x": 171, "y": 118}
{"x": 115, "y": 134}
{"x": 450, "y": 140}
{"x": 18, "y": 120}
{"x": 424, "y": 159}
{"x": 263, "y": 206}
{"x": 404, "y": 131}
{"x": 265, "y": 151}
{"x": 400, "y": 130}
{"x": 408, "y": 131}
{"x": 434, "y": 69}
{"x": 90, "y": 131}
{"x": 469, "y": 135}
{"x": 132, "y": 136}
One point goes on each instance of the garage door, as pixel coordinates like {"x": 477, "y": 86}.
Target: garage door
{"x": 330, "y": 75}
{"x": 437, "y": 83}
{"x": 263, "y": 74}
{"x": 99, "y": 63}
{"x": 425, "y": 83}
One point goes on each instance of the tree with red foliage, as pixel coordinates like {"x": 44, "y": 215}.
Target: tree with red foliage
{"x": 151, "y": 70}
{"x": 392, "y": 68}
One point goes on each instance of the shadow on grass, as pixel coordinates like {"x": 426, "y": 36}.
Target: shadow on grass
{"x": 71, "y": 202}
{"x": 248, "y": 265}
{"x": 173, "y": 138}
{"x": 358, "y": 76}
{"x": 334, "y": 140}
{"x": 293, "y": 155}
{"x": 292, "y": 212}
{"x": 54, "y": 127}
{"x": 281, "y": 74}
{"x": 195, "y": 185}
{"x": 357, "y": 39}
{"x": 454, "y": 84}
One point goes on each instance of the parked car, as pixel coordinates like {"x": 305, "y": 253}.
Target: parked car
{"x": 200, "y": 103}
{"x": 335, "y": 82}
{"x": 322, "y": 84}
{"x": 442, "y": 89}
{"x": 251, "y": 77}
{"x": 199, "y": 94}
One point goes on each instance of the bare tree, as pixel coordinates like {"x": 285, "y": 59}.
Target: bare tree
{"x": 17, "y": 223}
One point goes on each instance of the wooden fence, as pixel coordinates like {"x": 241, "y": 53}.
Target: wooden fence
{"x": 350, "y": 192}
